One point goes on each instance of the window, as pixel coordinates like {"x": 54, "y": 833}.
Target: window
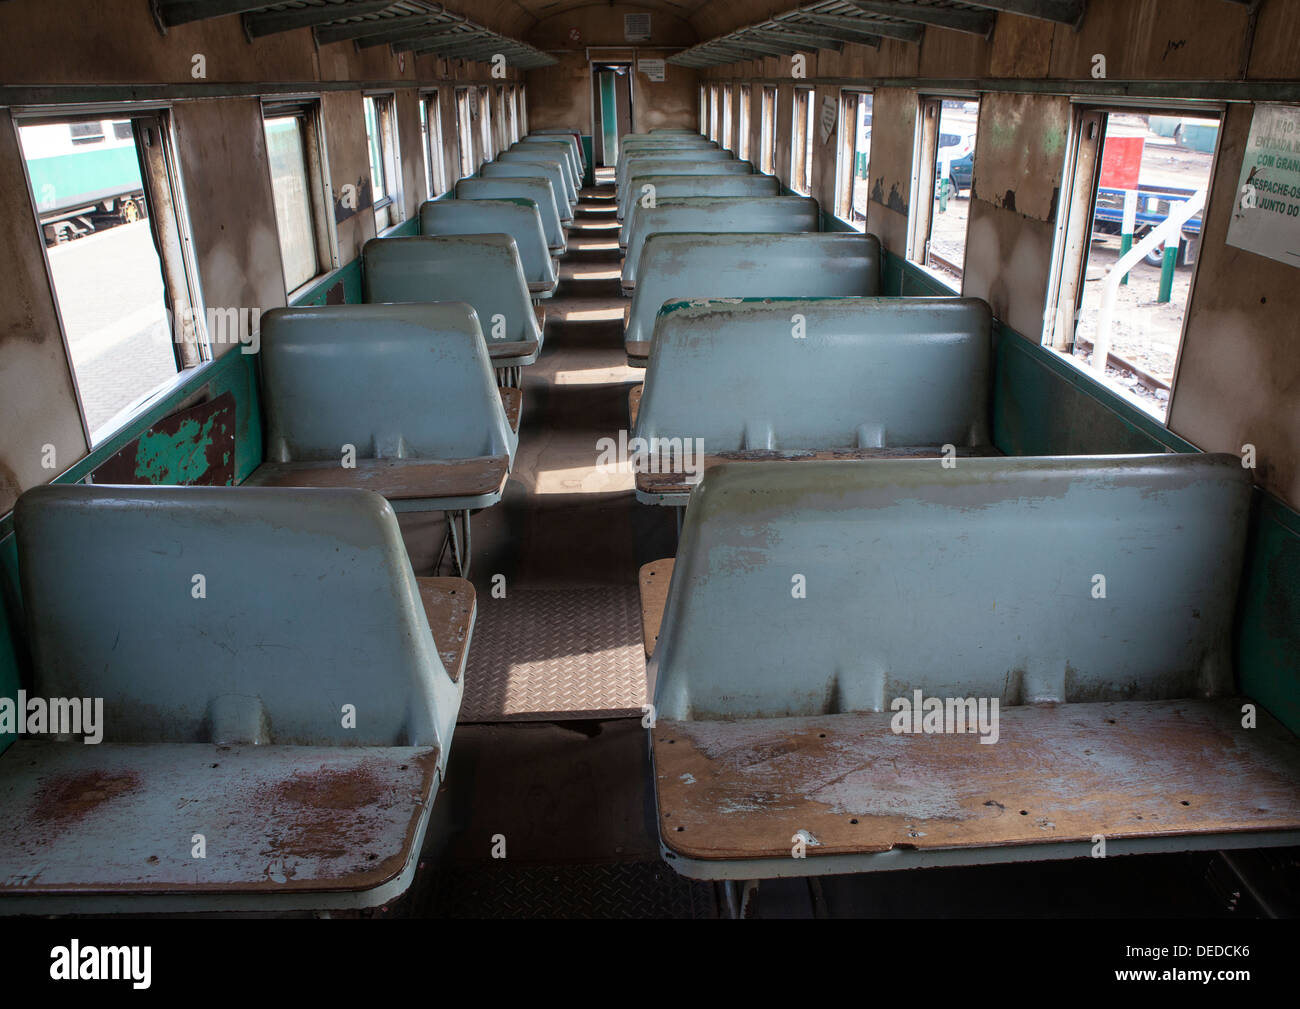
{"x": 767, "y": 133}
{"x": 726, "y": 141}
{"x": 464, "y": 133}
{"x": 293, "y": 152}
{"x": 502, "y": 126}
{"x": 742, "y": 136}
{"x": 704, "y": 110}
{"x": 512, "y": 113}
{"x": 801, "y": 142}
{"x": 945, "y": 161}
{"x": 523, "y": 110}
{"x": 434, "y": 159}
{"x": 855, "y": 158}
{"x": 381, "y": 137}
{"x": 714, "y": 118}
{"x": 1136, "y": 184}
{"x": 486, "y": 151}
{"x": 112, "y": 215}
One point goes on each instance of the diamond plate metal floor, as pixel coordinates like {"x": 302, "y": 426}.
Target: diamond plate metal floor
{"x": 619, "y": 890}
{"x": 548, "y": 654}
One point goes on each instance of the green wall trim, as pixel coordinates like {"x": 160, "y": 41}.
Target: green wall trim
{"x": 234, "y": 372}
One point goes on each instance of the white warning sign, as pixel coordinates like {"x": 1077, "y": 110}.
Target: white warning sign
{"x": 1266, "y": 211}
{"x": 653, "y": 69}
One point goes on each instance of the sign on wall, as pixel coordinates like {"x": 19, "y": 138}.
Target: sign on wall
{"x": 1266, "y": 212}
{"x": 653, "y": 69}
{"x": 827, "y": 124}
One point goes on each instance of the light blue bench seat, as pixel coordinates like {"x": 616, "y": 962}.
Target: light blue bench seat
{"x": 566, "y": 196}
{"x": 552, "y": 148}
{"x": 571, "y": 137}
{"x": 548, "y": 170}
{"x": 539, "y": 191}
{"x": 813, "y": 606}
{"x": 483, "y": 270}
{"x": 627, "y": 196}
{"x": 708, "y": 215}
{"x": 672, "y": 187}
{"x": 867, "y": 377}
{"x": 693, "y": 267}
{"x": 271, "y": 687}
{"x": 674, "y": 162}
{"x": 408, "y": 386}
{"x": 517, "y": 218}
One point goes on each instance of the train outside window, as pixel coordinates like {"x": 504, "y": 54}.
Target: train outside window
{"x": 1140, "y": 183}
{"x": 385, "y": 174}
{"x": 115, "y": 306}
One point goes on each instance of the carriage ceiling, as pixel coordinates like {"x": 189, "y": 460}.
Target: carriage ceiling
{"x": 729, "y": 30}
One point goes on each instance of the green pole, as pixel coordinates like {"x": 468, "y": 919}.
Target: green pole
{"x": 1126, "y": 228}
{"x": 1167, "y": 272}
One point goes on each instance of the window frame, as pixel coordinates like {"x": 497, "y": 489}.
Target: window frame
{"x": 464, "y": 132}
{"x": 324, "y": 236}
{"x": 744, "y": 121}
{"x": 726, "y": 142}
{"x": 801, "y": 127}
{"x": 767, "y": 129}
{"x": 435, "y": 159}
{"x": 390, "y": 203}
{"x": 153, "y": 132}
{"x": 847, "y": 153}
{"x": 1080, "y": 187}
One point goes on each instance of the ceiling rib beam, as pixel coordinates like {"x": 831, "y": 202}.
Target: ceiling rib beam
{"x": 886, "y": 29}
{"x": 802, "y": 39}
{"x": 1065, "y": 12}
{"x": 972, "y": 22}
{"x": 169, "y": 13}
{"x": 328, "y": 33}
{"x": 273, "y": 22}
{"x": 861, "y": 37}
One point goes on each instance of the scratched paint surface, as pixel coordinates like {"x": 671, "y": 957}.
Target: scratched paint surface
{"x": 1057, "y": 773}
{"x": 274, "y": 818}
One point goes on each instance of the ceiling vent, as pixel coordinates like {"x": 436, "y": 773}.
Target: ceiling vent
{"x": 636, "y": 27}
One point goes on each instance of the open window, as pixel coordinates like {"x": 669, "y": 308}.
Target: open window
{"x": 385, "y": 173}
{"x": 108, "y": 201}
{"x": 704, "y": 110}
{"x": 942, "y": 177}
{"x": 296, "y": 158}
{"x": 767, "y": 132}
{"x": 854, "y": 162}
{"x": 512, "y": 113}
{"x": 742, "y": 135}
{"x": 435, "y": 163}
{"x": 727, "y": 141}
{"x": 801, "y": 142}
{"x": 487, "y": 151}
{"x": 464, "y": 133}
{"x": 523, "y": 110}
{"x": 1135, "y": 187}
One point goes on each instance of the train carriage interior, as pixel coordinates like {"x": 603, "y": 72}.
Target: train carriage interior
{"x": 663, "y": 459}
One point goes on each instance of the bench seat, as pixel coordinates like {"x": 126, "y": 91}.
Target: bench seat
{"x": 450, "y": 604}
{"x": 1145, "y": 775}
{"x": 108, "y": 828}
{"x": 675, "y": 488}
{"x": 410, "y": 484}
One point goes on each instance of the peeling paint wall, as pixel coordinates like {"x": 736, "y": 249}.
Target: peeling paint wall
{"x": 893, "y": 133}
{"x": 1238, "y": 378}
{"x": 223, "y": 162}
{"x": 38, "y": 403}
